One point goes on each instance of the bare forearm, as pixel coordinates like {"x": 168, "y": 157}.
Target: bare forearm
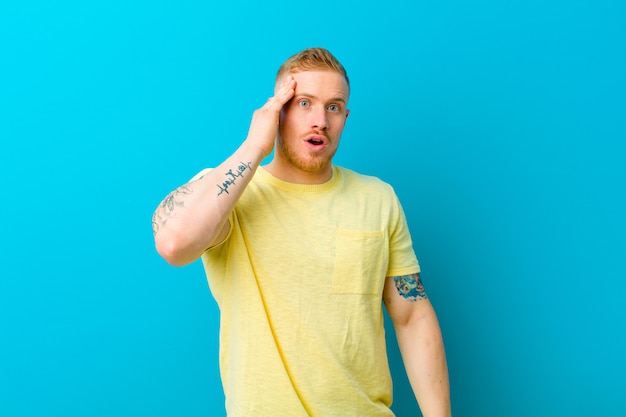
{"x": 421, "y": 346}
{"x": 192, "y": 217}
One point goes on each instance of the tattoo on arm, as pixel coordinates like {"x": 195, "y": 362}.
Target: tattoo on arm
{"x": 168, "y": 206}
{"x": 410, "y": 287}
{"x": 231, "y": 177}
{"x": 176, "y": 198}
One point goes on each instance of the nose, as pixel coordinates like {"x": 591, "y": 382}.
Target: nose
{"x": 319, "y": 118}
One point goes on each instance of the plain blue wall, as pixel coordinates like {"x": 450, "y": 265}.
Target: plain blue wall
{"x": 501, "y": 125}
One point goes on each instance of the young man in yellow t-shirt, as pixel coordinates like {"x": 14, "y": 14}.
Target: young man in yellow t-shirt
{"x": 300, "y": 255}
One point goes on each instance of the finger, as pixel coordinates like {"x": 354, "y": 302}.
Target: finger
{"x": 285, "y": 92}
{"x": 285, "y": 82}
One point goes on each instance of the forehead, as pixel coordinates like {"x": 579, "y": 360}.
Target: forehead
{"x": 321, "y": 84}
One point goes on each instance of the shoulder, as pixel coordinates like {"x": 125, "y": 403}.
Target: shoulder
{"x": 367, "y": 182}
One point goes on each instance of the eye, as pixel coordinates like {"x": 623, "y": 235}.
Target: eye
{"x": 304, "y": 103}
{"x": 333, "y": 108}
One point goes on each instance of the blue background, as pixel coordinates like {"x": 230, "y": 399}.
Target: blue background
{"x": 501, "y": 124}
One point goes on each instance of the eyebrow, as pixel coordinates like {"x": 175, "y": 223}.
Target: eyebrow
{"x": 336, "y": 98}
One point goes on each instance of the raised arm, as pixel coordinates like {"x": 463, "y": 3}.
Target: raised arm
{"x": 194, "y": 216}
{"x": 420, "y": 342}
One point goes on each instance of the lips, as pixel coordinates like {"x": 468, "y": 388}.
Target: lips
{"x": 316, "y": 140}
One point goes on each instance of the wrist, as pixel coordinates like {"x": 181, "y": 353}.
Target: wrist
{"x": 254, "y": 151}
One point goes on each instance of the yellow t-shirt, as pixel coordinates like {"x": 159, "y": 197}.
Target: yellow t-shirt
{"x": 299, "y": 284}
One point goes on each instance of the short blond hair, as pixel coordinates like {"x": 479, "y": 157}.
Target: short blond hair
{"x": 312, "y": 59}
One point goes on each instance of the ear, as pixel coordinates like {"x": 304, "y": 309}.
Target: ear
{"x": 347, "y": 113}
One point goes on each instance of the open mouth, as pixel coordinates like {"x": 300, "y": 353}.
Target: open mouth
{"x": 317, "y": 140}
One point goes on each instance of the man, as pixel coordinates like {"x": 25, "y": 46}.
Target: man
{"x": 299, "y": 256}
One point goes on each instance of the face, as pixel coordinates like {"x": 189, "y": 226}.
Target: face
{"x": 311, "y": 123}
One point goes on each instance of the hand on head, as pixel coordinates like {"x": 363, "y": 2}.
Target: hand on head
{"x": 264, "y": 125}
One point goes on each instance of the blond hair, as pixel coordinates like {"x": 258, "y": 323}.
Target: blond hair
{"x": 312, "y": 59}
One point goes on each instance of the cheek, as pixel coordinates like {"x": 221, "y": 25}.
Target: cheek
{"x": 288, "y": 124}
{"x": 295, "y": 118}
{"x": 339, "y": 124}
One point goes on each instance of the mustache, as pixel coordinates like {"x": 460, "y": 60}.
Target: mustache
{"x": 317, "y": 132}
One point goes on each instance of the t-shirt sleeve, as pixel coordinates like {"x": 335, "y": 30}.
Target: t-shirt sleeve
{"x": 201, "y": 174}
{"x": 402, "y": 259}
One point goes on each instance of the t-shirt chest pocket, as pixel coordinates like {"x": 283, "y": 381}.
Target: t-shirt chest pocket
{"x": 360, "y": 262}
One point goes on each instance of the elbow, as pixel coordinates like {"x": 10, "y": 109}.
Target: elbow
{"x": 410, "y": 315}
{"x": 173, "y": 251}
{"x": 406, "y": 321}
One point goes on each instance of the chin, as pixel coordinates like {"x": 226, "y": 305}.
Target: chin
{"x": 313, "y": 165}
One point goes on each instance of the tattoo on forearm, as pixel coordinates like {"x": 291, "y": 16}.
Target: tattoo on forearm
{"x": 410, "y": 287}
{"x": 168, "y": 206}
{"x": 231, "y": 177}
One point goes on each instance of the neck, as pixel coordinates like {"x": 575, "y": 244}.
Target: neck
{"x": 288, "y": 173}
